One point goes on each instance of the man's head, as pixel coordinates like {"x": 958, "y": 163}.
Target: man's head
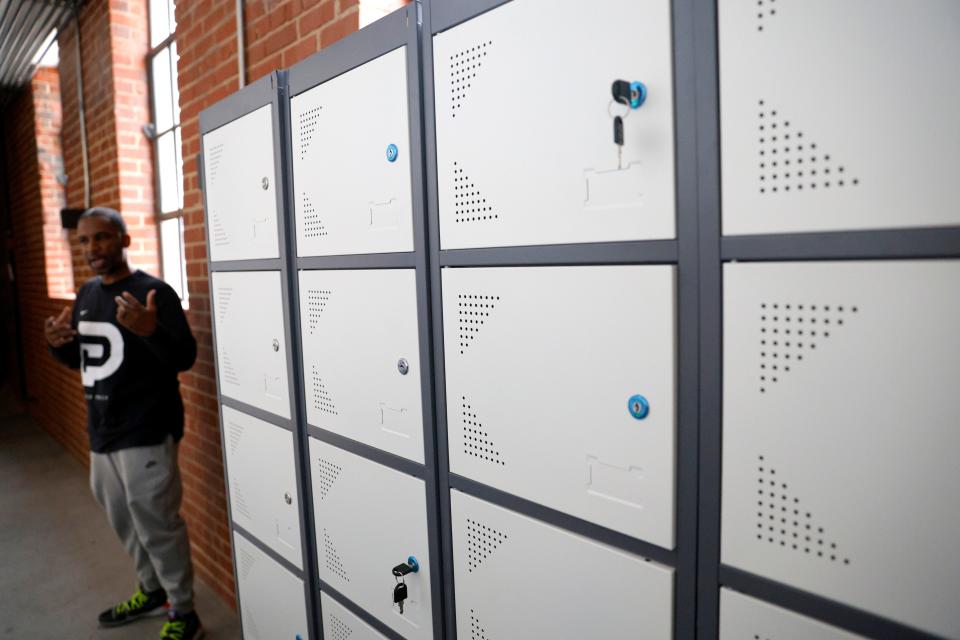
{"x": 103, "y": 237}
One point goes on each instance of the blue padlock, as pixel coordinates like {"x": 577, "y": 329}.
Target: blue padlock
{"x": 638, "y": 407}
{"x": 392, "y": 152}
{"x": 414, "y": 565}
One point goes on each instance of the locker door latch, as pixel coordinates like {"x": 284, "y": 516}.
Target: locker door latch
{"x": 400, "y": 588}
{"x": 638, "y": 407}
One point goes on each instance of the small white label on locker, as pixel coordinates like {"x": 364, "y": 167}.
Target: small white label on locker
{"x": 613, "y": 189}
{"x": 622, "y": 484}
{"x": 385, "y": 215}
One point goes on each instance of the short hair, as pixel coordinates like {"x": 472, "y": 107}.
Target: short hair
{"x": 111, "y": 215}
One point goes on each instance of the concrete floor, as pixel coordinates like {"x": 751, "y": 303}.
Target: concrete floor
{"x": 61, "y": 563}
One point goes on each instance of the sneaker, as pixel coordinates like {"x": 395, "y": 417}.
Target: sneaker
{"x": 139, "y": 605}
{"x": 182, "y": 626}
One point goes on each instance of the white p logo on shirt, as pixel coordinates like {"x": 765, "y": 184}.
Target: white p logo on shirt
{"x": 101, "y": 351}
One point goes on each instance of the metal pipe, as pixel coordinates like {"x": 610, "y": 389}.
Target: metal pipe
{"x": 83, "y": 118}
{"x": 241, "y": 58}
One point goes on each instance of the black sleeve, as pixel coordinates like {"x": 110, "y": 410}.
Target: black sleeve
{"x": 172, "y": 342}
{"x": 69, "y": 354}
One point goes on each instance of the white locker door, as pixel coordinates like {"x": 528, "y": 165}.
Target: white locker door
{"x": 743, "y": 617}
{"x": 525, "y": 149}
{"x": 361, "y": 356}
{"x": 542, "y": 364}
{"x": 251, "y": 346}
{"x": 272, "y": 601}
{"x": 840, "y": 433}
{"x": 263, "y": 483}
{"x": 369, "y": 519}
{"x": 240, "y": 181}
{"x": 351, "y": 161}
{"x": 825, "y": 127}
{"x": 340, "y": 624}
{"x": 516, "y": 577}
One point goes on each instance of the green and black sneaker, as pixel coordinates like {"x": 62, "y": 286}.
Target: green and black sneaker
{"x": 139, "y": 605}
{"x": 182, "y": 626}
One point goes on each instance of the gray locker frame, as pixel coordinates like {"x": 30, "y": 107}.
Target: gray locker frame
{"x": 681, "y": 251}
{"x": 716, "y": 250}
{"x": 270, "y": 89}
{"x": 399, "y": 28}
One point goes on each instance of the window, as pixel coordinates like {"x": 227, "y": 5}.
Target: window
{"x": 167, "y": 150}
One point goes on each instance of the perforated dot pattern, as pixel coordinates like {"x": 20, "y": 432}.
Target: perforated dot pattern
{"x": 766, "y": 9}
{"x": 476, "y": 441}
{"x": 312, "y": 225}
{"x": 789, "y": 332}
{"x": 220, "y": 238}
{"x": 328, "y": 474}
{"x": 308, "y": 125}
{"x": 216, "y": 155}
{"x": 476, "y": 631}
{"x": 473, "y": 312}
{"x": 788, "y": 161}
{"x": 317, "y": 300}
{"x": 481, "y": 542}
{"x": 321, "y": 395}
{"x": 463, "y": 72}
{"x": 784, "y": 522}
{"x": 334, "y": 562}
{"x": 468, "y": 204}
{"x": 339, "y": 629}
{"x": 246, "y": 560}
{"x": 223, "y": 297}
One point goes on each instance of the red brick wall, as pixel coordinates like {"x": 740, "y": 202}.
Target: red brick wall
{"x": 31, "y": 129}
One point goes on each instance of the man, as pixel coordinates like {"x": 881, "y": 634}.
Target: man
{"x": 129, "y": 337}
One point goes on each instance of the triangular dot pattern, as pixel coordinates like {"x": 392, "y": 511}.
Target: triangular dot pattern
{"x": 339, "y": 628}
{"x": 476, "y": 631}
{"x": 791, "y": 332}
{"x": 481, "y": 542}
{"x": 308, "y": 125}
{"x": 216, "y": 154}
{"x": 328, "y": 474}
{"x": 789, "y": 161}
{"x": 312, "y": 224}
{"x": 783, "y": 521}
{"x": 317, "y": 300}
{"x": 476, "y": 441}
{"x": 766, "y": 9}
{"x": 334, "y": 562}
{"x": 321, "y": 395}
{"x": 463, "y": 71}
{"x": 473, "y": 311}
{"x": 468, "y": 204}
{"x": 220, "y": 238}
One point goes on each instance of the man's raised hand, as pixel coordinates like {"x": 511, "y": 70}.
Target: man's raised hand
{"x": 58, "y": 330}
{"x": 139, "y": 319}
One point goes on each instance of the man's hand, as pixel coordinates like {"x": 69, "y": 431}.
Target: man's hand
{"x": 141, "y": 320}
{"x": 58, "y": 330}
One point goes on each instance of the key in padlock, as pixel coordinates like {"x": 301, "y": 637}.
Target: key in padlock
{"x": 633, "y": 94}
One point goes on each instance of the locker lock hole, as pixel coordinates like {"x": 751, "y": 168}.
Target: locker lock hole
{"x": 632, "y": 94}
{"x": 403, "y": 366}
{"x": 265, "y": 183}
{"x": 288, "y": 498}
{"x": 392, "y": 152}
{"x": 276, "y": 345}
{"x": 638, "y": 407}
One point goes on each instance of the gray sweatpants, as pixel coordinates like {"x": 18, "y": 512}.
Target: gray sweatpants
{"x": 140, "y": 490}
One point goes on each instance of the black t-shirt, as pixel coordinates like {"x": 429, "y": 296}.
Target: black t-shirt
{"x": 130, "y": 382}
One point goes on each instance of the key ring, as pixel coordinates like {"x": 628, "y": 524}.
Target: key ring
{"x": 625, "y": 113}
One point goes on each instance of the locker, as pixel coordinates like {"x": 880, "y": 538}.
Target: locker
{"x": 370, "y": 518}
{"x": 851, "y": 129}
{"x": 840, "y": 433}
{"x": 340, "y": 624}
{"x": 241, "y": 188}
{"x": 263, "y": 483}
{"x": 543, "y": 365}
{"x": 251, "y": 344}
{"x": 524, "y": 124}
{"x": 272, "y": 600}
{"x": 361, "y": 356}
{"x": 351, "y": 161}
{"x": 744, "y": 617}
{"x": 516, "y": 577}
